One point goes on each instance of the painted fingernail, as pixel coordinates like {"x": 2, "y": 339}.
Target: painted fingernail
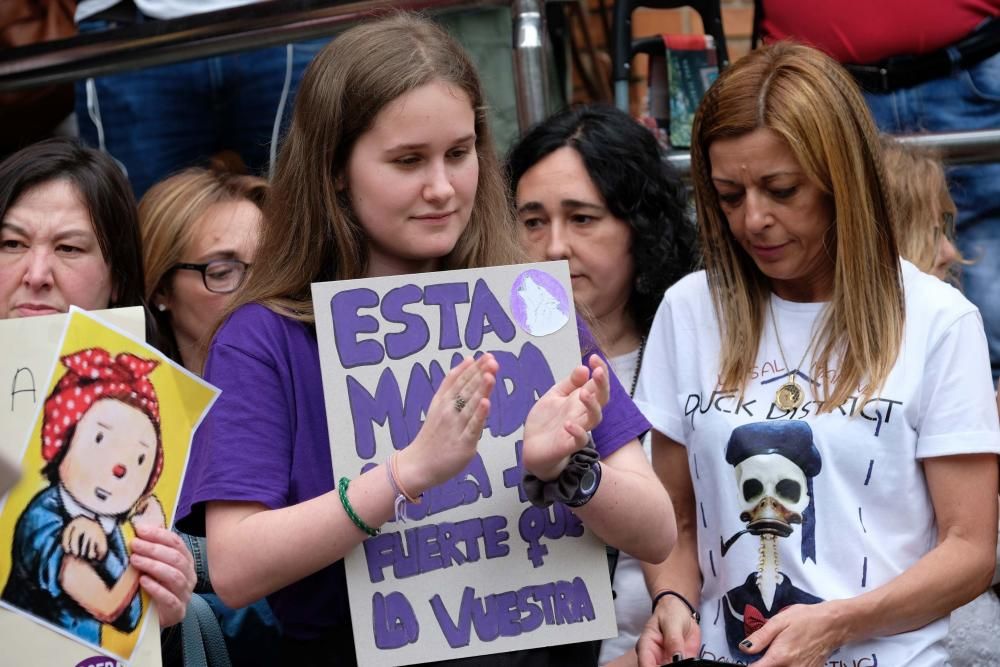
{"x": 746, "y": 643}
{"x": 676, "y": 658}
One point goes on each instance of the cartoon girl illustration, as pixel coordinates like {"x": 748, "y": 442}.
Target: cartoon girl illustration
{"x": 101, "y": 440}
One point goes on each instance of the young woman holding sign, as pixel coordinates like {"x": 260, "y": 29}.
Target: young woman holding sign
{"x": 389, "y": 168}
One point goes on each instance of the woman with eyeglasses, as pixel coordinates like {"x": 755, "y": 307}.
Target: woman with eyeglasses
{"x": 199, "y": 234}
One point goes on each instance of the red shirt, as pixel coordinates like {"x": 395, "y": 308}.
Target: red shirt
{"x": 867, "y": 31}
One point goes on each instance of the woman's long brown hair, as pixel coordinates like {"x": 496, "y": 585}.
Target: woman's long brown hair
{"x": 811, "y": 102}
{"x": 310, "y": 234}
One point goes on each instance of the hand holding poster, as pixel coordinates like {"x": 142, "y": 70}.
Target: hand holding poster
{"x": 474, "y": 568}
{"x": 104, "y": 458}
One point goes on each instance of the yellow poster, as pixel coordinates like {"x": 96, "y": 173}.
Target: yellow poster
{"x": 107, "y": 451}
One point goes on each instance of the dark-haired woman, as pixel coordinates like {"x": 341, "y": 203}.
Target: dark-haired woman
{"x": 69, "y": 236}
{"x": 591, "y": 187}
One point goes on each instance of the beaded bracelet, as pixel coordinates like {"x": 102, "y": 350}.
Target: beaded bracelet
{"x": 662, "y": 594}
{"x": 358, "y": 521}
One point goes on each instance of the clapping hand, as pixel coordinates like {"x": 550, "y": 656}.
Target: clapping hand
{"x": 558, "y": 423}
{"x": 454, "y": 424}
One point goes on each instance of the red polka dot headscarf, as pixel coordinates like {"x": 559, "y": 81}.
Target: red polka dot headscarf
{"x": 93, "y": 375}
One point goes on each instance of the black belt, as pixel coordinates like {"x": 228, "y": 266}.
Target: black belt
{"x": 905, "y": 71}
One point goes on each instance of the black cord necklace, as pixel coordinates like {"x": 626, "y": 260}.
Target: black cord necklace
{"x": 638, "y": 365}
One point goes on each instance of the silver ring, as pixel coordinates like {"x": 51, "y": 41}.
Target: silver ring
{"x": 460, "y": 403}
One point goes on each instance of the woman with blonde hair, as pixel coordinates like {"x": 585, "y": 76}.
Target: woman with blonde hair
{"x": 389, "y": 168}
{"x": 199, "y": 229}
{"x": 925, "y": 211}
{"x": 822, "y": 410}
{"x": 925, "y": 231}
{"x": 199, "y": 233}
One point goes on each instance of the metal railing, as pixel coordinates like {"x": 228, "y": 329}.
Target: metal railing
{"x": 283, "y": 21}
{"x": 255, "y": 26}
{"x": 972, "y": 147}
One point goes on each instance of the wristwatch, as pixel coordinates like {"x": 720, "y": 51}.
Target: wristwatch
{"x": 576, "y": 484}
{"x": 589, "y": 482}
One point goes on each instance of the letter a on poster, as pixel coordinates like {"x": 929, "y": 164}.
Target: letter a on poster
{"x": 103, "y": 450}
{"x": 474, "y": 568}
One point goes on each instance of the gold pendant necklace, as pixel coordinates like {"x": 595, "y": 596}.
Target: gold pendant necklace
{"x": 789, "y": 395}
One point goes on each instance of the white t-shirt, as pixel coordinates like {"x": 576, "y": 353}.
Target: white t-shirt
{"x": 161, "y": 9}
{"x": 631, "y": 597}
{"x": 848, "y": 485}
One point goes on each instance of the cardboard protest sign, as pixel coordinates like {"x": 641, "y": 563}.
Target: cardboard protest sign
{"x": 105, "y": 449}
{"x": 30, "y": 345}
{"x": 476, "y": 569}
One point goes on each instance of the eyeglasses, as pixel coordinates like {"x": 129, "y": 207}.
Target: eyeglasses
{"x": 221, "y": 276}
{"x": 946, "y": 228}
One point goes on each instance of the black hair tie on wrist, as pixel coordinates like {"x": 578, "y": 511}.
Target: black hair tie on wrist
{"x": 574, "y": 486}
{"x": 662, "y": 594}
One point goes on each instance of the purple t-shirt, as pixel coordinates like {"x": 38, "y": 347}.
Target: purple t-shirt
{"x": 265, "y": 440}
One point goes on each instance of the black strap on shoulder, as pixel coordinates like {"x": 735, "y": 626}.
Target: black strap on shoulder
{"x": 204, "y": 645}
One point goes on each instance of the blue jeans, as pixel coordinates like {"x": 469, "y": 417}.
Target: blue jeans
{"x": 969, "y": 99}
{"x": 252, "y": 633}
{"x": 159, "y": 120}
